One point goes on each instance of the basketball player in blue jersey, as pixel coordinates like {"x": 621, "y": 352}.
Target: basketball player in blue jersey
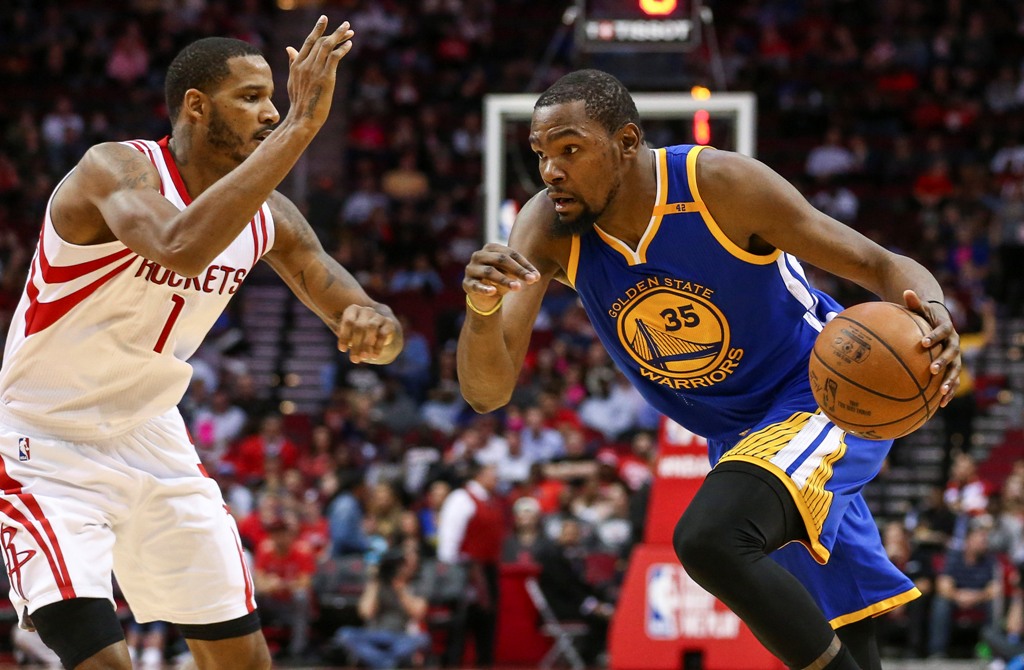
{"x": 685, "y": 259}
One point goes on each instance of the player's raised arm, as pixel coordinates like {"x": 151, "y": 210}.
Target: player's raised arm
{"x": 504, "y": 288}
{"x": 367, "y": 330}
{"x": 754, "y": 205}
{"x": 118, "y": 191}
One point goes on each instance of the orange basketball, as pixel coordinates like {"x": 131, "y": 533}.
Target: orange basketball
{"x": 870, "y": 373}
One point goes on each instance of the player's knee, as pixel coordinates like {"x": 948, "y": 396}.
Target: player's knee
{"x": 236, "y": 644}
{"x": 700, "y": 545}
{"x": 78, "y": 629}
{"x": 249, "y": 654}
{"x": 259, "y": 657}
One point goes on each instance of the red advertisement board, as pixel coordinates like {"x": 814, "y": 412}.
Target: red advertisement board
{"x": 663, "y": 619}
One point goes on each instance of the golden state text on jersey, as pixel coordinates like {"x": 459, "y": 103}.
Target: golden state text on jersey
{"x": 712, "y": 335}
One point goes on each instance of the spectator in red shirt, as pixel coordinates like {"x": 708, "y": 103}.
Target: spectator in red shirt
{"x": 320, "y": 458}
{"x": 635, "y": 468}
{"x": 965, "y": 492}
{"x": 283, "y": 577}
{"x": 252, "y": 453}
{"x": 313, "y": 528}
{"x": 471, "y": 530}
{"x": 934, "y": 185}
{"x": 253, "y": 527}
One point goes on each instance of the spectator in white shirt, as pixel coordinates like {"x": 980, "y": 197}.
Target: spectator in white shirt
{"x": 514, "y": 466}
{"x": 471, "y": 529}
{"x": 540, "y": 443}
{"x": 831, "y": 157}
{"x": 215, "y": 427}
{"x": 613, "y": 407}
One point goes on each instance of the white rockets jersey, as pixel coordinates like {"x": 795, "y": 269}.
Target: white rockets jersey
{"x": 100, "y": 340}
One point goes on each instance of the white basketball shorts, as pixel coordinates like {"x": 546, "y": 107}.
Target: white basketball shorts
{"x": 139, "y": 505}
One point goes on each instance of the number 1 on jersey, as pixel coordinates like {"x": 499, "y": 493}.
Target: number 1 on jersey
{"x": 179, "y": 302}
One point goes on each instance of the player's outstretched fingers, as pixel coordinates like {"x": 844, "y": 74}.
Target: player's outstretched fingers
{"x": 342, "y": 49}
{"x": 318, "y": 30}
{"x": 326, "y": 44}
{"x": 341, "y": 35}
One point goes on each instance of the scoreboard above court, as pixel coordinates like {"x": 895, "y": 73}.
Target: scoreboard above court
{"x": 637, "y": 25}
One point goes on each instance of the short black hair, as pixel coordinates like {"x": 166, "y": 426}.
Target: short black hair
{"x": 606, "y": 100}
{"x": 201, "y": 65}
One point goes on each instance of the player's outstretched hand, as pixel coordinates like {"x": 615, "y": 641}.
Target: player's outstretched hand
{"x": 943, "y": 333}
{"x": 494, "y": 271}
{"x": 369, "y": 335}
{"x": 312, "y": 70}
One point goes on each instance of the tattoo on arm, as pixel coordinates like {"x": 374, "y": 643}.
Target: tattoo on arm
{"x": 313, "y": 102}
{"x": 329, "y": 278}
{"x": 301, "y": 276}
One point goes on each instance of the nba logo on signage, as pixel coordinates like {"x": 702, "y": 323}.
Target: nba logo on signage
{"x": 678, "y": 607}
{"x": 24, "y": 449}
{"x": 663, "y": 601}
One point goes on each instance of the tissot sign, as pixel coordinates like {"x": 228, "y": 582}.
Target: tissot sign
{"x": 637, "y": 25}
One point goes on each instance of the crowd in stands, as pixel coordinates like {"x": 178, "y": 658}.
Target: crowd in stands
{"x": 902, "y": 118}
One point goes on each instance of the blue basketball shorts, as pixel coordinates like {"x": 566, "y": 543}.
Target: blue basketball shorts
{"x": 842, "y": 563}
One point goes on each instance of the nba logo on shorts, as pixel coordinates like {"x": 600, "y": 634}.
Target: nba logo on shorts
{"x": 663, "y": 600}
{"x": 24, "y": 449}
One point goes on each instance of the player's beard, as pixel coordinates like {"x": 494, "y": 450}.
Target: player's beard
{"x": 221, "y": 136}
{"x": 584, "y": 222}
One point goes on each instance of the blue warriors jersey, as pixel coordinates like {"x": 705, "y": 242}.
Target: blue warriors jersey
{"x": 712, "y": 335}
{"x": 718, "y": 339}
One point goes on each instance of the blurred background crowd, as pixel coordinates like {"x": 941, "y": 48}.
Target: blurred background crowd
{"x": 376, "y": 506}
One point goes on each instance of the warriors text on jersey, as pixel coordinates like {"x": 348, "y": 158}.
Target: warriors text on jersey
{"x": 101, "y": 336}
{"x": 711, "y": 334}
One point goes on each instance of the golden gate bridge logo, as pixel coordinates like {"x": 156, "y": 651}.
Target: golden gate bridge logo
{"x": 659, "y": 348}
{"x": 674, "y": 334}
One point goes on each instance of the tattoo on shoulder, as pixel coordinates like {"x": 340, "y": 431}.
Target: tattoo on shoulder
{"x": 133, "y": 174}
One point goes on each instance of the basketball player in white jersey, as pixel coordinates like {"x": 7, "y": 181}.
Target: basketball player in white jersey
{"x": 142, "y": 246}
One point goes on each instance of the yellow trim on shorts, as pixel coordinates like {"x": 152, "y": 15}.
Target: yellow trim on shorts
{"x": 813, "y": 500}
{"x": 876, "y": 609}
{"x": 709, "y": 220}
{"x": 819, "y": 500}
{"x": 771, "y": 439}
{"x": 817, "y": 550}
{"x": 574, "y": 260}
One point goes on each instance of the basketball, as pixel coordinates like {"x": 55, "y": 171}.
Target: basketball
{"x": 870, "y": 373}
